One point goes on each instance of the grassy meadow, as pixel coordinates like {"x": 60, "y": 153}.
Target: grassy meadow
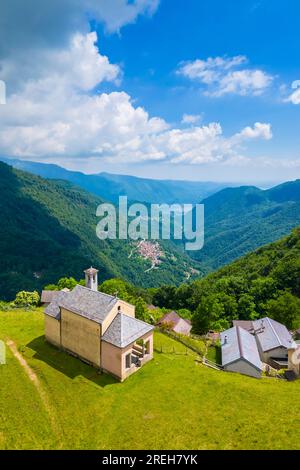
{"x": 173, "y": 402}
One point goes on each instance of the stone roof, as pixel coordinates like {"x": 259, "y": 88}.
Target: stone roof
{"x": 124, "y": 330}
{"x": 85, "y": 302}
{"x": 183, "y": 327}
{"x": 238, "y": 344}
{"x": 179, "y": 325}
{"x": 271, "y": 335}
{"x": 91, "y": 271}
{"x": 48, "y": 296}
{"x": 171, "y": 317}
{"x": 53, "y": 309}
{"x": 246, "y": 324}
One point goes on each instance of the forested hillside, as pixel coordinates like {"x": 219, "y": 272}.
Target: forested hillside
{"x": 239, "y": 220}
{"x": 48, "y": 231}
{"x": 265, "y": 282}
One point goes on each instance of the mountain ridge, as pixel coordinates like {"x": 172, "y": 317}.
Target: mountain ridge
{"x": 109, "y": 186}
{"x": 239, "y": 220}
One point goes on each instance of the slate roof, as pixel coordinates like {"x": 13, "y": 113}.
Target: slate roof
{"x": 179, "y": 325}
{"x": 48, "y": 296}
{"x": 85, "y": 302}
{"x": 246, "y": 324}
{"x": 53, "y": 309}
{"x": 171, "y": 317}
{"x": 239, "y": 345}
{"x": 183, "y": 327}
{"x": 124, "y": 330}
{"x": 272, "y": 334}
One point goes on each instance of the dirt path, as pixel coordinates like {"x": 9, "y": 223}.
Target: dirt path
{"x": 35, "y": 380}
{"x": 31, "y": 374}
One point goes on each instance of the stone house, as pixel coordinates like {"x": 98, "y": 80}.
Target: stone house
{"x": 270, "y": 339}
{"x": 99, "y": 329}
{"x": 174, "y": 322}
{"x": 240, "y": 353}
{"x": 273, "y": 341}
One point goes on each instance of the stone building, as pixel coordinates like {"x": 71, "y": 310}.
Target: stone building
{"x": 240, "y": 353}
{"x": 99, "y": 329}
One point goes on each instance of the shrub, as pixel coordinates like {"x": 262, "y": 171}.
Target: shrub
{"x": 4, "y": 306}
{"x": 27, "y": 299}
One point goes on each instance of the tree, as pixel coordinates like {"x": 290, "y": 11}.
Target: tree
{"x": 66, "y": 283}
{"x": 262, "y": 289}
{"x": 164, "y": 297}
{"x": 141, "y": 311}
{"x": 182, "y": 296}
{"x": 198, "y": 289}
{"x": 208, "y": 311}
{"x": 288, "y": 275}
{"x": 285, "y": 309}
{"x": 246, "y": 308}
{"x": 51, "y": 287}
{"x": 116, "y": 287}
{"x": 27, "y": 299}
{"x": 220, "y": 325}
{"x": 230, "y": 305}
{"x": 185, "y": 313}
{"x": 232, "y": 285}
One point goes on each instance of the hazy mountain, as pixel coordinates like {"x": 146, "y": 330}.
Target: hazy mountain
{"x": 110, "y": 186}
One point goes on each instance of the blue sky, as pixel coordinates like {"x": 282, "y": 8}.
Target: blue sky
{"x": 220, "y": 63}
{"x": 266, "y": 31}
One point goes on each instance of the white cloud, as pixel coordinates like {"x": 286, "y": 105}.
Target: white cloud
{"x": 259, "y": 131}
{"x": 33, "y": 30}
{"x": 208, "y": 144}
{"x": 56, "y": 116}
{"x": 294, "y": 97}
{"x": 208, "y": 71}
{"x": 244, "y": 82}
{"x": 191, "y": 118}
{"x": 50, "y": 23}
{"x": 221, "y": 77}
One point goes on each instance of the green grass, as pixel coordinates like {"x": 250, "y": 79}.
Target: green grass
{"x": 171, "y": 403}
{"x": 181, "y": 345}
{"x": 214, "y": 354}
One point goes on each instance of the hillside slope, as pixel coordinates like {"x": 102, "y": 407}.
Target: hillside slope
{"x": 48, "y": 230}
{"x": 239, "y": 220}
{"x": 110, "y": 186}
{"x": 272, "y": 260}
{"x": 263, "y": 283}
{"x": 188, "y": 406}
